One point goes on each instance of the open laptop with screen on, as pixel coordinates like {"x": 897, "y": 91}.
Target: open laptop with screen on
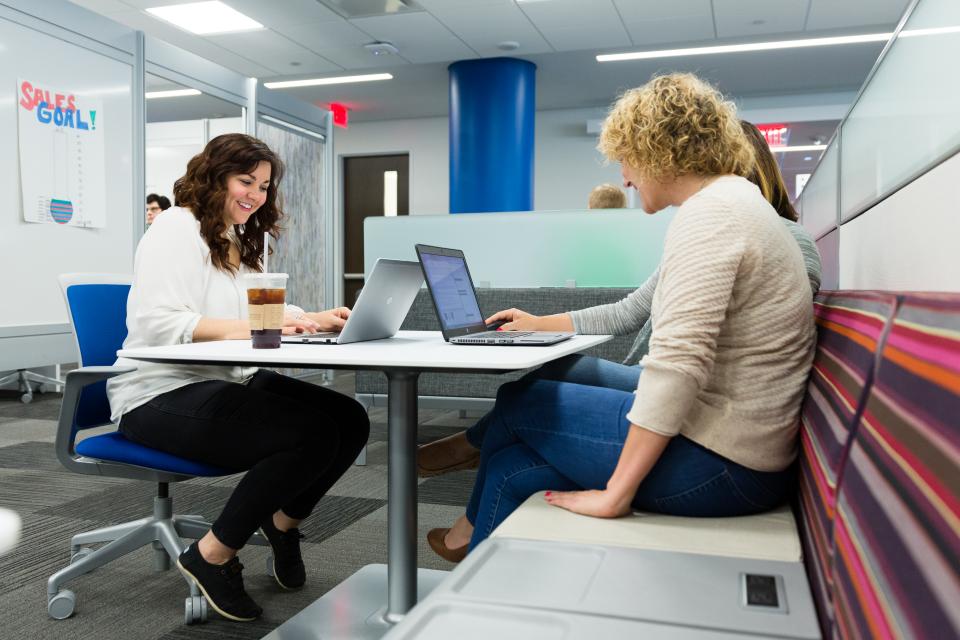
{"x": 455, "y": 301}
{"x": 383, "y": 303}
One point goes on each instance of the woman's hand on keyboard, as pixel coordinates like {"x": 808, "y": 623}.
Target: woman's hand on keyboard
{"x": 515, "y": 320}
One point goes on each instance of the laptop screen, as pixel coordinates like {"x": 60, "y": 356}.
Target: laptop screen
{"x": 452, "y": 291}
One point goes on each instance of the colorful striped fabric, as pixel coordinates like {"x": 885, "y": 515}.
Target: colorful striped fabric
{"x": 850, "y": 325}
{"x": 897, "y": 532}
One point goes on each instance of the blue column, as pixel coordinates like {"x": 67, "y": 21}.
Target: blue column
{"x": 492, "y": 103}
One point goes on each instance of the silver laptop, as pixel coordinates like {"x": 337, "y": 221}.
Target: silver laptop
{"x": 455, "y": 300}
{"x": 383, "y": 303}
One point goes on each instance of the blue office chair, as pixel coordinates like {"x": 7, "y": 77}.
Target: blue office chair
{"x": 97, "y": 306}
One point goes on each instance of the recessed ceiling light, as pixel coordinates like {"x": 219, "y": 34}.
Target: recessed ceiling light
{"x": 173, "y": 93}
{"x": 751, "y": 46}
{"x": 313, "y": 82}
{"x": 205, "y": 18}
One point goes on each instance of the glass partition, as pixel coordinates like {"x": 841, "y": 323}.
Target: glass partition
{"x": 906, "y": 117}
{"x": 820, "y": 196}
{"x": 180, "y": 121}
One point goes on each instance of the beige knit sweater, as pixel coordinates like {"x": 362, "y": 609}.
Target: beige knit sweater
{"x": 733, "y": 332}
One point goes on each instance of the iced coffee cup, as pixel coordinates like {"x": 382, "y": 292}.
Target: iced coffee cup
{"x": 265, "y": 297}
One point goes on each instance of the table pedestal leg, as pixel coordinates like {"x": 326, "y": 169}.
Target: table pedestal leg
{"x": 401, "y": 494}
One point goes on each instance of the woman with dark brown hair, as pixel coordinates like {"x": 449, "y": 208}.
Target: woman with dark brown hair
{"x": 293, "y": 439}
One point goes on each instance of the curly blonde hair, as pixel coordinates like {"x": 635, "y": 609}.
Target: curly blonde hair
{"x": 676, "y": 125}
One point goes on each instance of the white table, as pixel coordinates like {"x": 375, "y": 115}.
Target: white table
{"x": 402, "y": 358}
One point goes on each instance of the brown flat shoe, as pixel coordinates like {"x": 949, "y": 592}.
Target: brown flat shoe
{"x": 453, "y": 453}
{"x": 435, "y": 538}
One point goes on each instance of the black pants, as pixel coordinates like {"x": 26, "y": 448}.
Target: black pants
{"x": 293, "y": 438}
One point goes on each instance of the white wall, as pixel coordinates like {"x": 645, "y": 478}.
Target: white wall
{"x": 909, "y": 241}
{"x": 425, "y": 139}
{"x": 566, "y": 163}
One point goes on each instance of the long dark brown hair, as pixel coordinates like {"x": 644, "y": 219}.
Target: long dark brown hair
{"x": 203, "y": 189}
{"x": 766, "y": 174}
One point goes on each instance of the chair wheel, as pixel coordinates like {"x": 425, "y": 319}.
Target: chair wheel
{"x": 26, "y": 398}
{"x": 80, "y": 554}
{"x": 62, "y": 605}
{"x": 194, "y": 609}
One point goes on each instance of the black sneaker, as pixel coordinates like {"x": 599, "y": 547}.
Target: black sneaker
{"x": 288, "y": 569}
{"x": 222, "y": 584}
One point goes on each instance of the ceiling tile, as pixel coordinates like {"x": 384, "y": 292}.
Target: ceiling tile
{"x": 569, "y": 25}
{"x": 103, "y": 7}
{"x": 273, "y": 51}
{"x": 483, "y": 27}
{"x": 655, "y": 22}
{"x": 419, "y": 36}
{"x": 745, "y": 18}
{"x": 356, "y": 57}
{"x": 325, "y": 35}
{"x": 829, "y": 14}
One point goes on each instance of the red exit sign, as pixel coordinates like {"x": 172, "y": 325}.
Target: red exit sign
{"x": 775, "y": 134}
{"x": 340, "y": 114}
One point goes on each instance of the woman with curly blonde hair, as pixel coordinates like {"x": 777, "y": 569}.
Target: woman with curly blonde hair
{"x": 710, "y": 427}
{"x": 293, "y": 439}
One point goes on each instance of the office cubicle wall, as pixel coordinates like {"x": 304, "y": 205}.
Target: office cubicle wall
{"x": 882, "y": 201}
{"x": 584, "y": 248}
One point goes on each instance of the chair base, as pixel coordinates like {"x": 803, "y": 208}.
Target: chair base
{"x": 162, "y": 530}
{"x": 23, "y": 378}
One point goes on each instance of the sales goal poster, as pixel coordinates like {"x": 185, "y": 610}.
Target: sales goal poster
{"x": 62, "y": 170}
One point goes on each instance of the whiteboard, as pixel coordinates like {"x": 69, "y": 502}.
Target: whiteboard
{"x": 33, "y": 255}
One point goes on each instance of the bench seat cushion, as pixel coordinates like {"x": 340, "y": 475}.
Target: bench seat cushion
{"x": 766, "y": 536}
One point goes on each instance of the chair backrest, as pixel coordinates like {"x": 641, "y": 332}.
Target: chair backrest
{"x": 897, "y": 531}
{"x": 850, "y": 328}
{"x": 97, "y": 307}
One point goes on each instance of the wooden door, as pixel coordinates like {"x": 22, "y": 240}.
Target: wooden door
{"x": 363, "y": 190}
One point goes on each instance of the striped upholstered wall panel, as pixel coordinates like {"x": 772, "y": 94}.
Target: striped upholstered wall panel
{"x": 897, "y": 533}
{"x": 849, "y": 328}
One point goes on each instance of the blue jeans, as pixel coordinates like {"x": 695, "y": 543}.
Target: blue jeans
{"x": 545, "y": 434}
{"x": 577, "y": 368}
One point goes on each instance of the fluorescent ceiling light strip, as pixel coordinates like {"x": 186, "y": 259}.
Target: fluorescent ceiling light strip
{"x": 799, "y": 147}
{"x": 174, "y": 93}
{"x": 287, "y": 84}
{"x": 204, "y": 18}
{"x": 740, "y": 48}
{"x": 933, "y": 31}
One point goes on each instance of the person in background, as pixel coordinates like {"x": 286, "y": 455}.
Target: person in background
{"x": 704, "y": 432}
{"x": 462, "y": 450}
{"x": 293, "y": 439}
{"x": 155, "y": 205}
{"x": 607, "y": 196}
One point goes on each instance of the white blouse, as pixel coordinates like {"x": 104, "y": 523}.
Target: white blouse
{"x": 174, "y": 285}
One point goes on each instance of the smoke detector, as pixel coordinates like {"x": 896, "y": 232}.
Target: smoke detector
{"x": 382, "y": 49}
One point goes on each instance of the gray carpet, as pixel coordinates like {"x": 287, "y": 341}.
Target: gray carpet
{"x": 127, "y": 599}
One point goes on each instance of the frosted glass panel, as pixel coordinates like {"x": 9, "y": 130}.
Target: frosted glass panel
{"x": 820, "y": 195}
{"x": 613, "y": 248}
{"x": 907, "y": 116}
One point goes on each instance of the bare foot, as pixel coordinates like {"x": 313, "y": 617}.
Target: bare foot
{"x": 214, "y": 551}
{"x": 459, "y": 534}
